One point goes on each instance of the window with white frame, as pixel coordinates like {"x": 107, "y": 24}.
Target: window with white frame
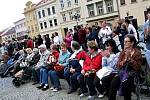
{"x": 70, "y": 15}
{"x": 76, "y": 1}
{"x": 122, "y": 2}
{"x": 99, "y": 7}
{"x": 109, "y": 6}
{"x": 45, "y": 24}
{"x": 62, "y": 4}
{"x": 43, "y": 13}
{"x": 132, "y": 1}
{"x": 41, "y": 26}
{"x": 77, "y": 11}
{"x": 91, "y": 10}
{"x": 53, "y": 9}
{"x": 49, "y": 11}
{"x": 64, "y": 17}
{"x": 69, "y": 3}
{"x": 51, "y": 23}
{"x": 39, "y": 14}
{"x": 55, "y": 22}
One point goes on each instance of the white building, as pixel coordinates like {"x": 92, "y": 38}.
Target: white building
{"x": 99, "y": 10}
{"x": 72, "y": 14}
{"x": 134, "y": 8}
{"x": 21, "y": 29}
{"x": 47, "y": 12}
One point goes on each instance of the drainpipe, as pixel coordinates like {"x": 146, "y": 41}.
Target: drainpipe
{"x": 117, "y": 1}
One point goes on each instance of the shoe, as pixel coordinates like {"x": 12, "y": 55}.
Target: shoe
{"x": 83, "y": 94}
{"x": 71, "y": 91}
{"x": 51, "y": 88}
{"x": 55, "y": 90}
{"x": 91, "y": 97}
{"x": 100, "y": 96}
{"x": 45, "y": 88}
{"x": 34, "y": 83}
{"x": 40, "y": 86}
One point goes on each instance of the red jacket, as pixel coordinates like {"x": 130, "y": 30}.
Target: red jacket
{"x": 30, "y": 44}
{"x": 81, "y": 55}
{"x": 92, "y": 63}
{"x": 55, "y": 54}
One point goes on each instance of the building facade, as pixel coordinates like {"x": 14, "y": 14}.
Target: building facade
{"x": 21, "y": 29}
{"x": 47, "y": 12}
{"x": 99, "y": 10}
{"x": 31, "y": 19}
{"x": 8, "y": 34}
{"x": 134, "y": 8}
{"x": 71, "y": 14}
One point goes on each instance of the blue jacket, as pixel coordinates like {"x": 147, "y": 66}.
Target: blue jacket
{"x": 63, "y": 58}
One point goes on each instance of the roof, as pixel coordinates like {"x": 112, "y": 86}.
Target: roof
{"x": 41, "y": 2}
{"x": 9, "y": 31}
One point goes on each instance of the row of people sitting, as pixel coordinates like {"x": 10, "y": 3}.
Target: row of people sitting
{"x": 104, "y": 71}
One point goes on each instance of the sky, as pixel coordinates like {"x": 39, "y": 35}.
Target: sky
{"x": 12, "y": 11}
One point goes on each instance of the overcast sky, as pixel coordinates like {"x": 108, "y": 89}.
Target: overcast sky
{"x": 11, "y": 11}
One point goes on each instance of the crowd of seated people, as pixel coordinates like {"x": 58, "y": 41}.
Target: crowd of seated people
{"x": 93, "y": 71}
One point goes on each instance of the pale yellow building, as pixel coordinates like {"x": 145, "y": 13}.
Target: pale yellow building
{"x": 97, "y": 11}
{"x": 135, "y": 8}
{"x": 31, "y": 19}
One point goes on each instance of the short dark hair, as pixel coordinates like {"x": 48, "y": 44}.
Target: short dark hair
{"x": 75, "y": 45}
{"x": 127, "y": 21}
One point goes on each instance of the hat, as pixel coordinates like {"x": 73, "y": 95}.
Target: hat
{"x": 42, "y": 46}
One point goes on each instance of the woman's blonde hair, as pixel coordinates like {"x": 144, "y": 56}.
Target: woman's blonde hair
{"x": 92, "y": 45}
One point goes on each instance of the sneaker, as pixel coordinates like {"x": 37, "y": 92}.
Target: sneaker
{"x": 83, "y": 94}
{"x": 51, "y": 88}
{"x": 40, "y": 86}
{"x": 100, "y": 96}
{"x": 45, "y": 88}
{"x": 55, "y": 90}
{"x": 91, "y": 97}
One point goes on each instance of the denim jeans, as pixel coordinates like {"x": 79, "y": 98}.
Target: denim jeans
{"x": 147, "y": 56}
{"x": 43, "y": 76}
{"x": 54, "y": 78}
{"x": 72, "y": 79}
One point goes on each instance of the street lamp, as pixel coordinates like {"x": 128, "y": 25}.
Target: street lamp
{"x": 76, "y": 17}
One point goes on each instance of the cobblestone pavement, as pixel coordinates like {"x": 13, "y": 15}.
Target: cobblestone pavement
{"x": 30, "y": 92}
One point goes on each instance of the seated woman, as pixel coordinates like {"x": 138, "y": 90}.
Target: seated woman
{"x": 59, "y": 68}
{"x": 91, "y": 65}
{"x": 52, "y": 59}
{"x": 109, "y": 61}
{"x": 74, "y": 68}
{"x": 129, "y": 61}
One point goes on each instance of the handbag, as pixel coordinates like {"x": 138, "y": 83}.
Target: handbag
{"x": 58, "y": 68}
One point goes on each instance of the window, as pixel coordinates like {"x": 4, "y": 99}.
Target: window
{"x": 39, "y": 14}
{"x": 41, "y": 25}
{"x": 28, "y": 29}
{"x": 122, "y": 2}
{"x": 69, "y": 3}
{"x": 53, "y": 9}
{"x": 64, "y": 17}
{"x": 76, "y": 1}
{"x": 89, "y": 0}
{"x": 70, "y": 15}
{"x": 99, "y": 7}
{"x": 132, "y": 1}
{"x": 43, "y": 12}
{"x": 109, "y": 6}
{"x": 55, "y": 22}
{"x": 48, "y": 10}
{"x": 32, "y": 28}
{"x": 51, "y": 23}
{"x": 91, "y": 10}
{"x": 45, "y": 24}
{"x": 62, "y": 4}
